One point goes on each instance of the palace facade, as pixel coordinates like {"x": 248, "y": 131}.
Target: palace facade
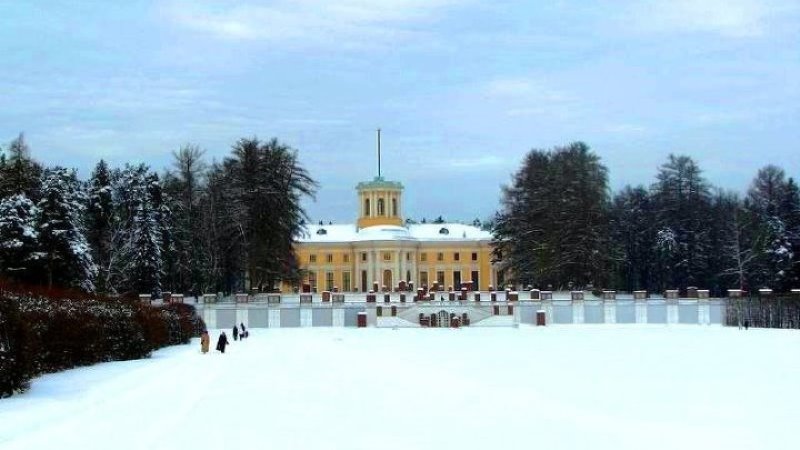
{"x": 380, "y": 250}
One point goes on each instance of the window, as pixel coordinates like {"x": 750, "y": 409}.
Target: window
{"x": 329, "y": 281}
{"x": 363, "y": 256}
{"x": 456, "y": 279}
{"x": 312, "y": 280}
{"x": 474, "y": 256}
{"x": 456, "y": 256}
{"x": 346, "y": 258}
{"x": 329, "y": 258}
{"x": 394, "y": 207}
{"x": 440, "y": 256}
{"x": 423, "y": 257}
{"x": 440, "y": 278}
{"x": 346, "y": 281}
{"x": 381, "y": 208}
{"x": 366, "y": 206}
{"x": 408, "y": 256}
{"x": 423, "y": 279}
{"x": 387, "y": 256}
{"x": 444, "y": 230}
{"x": 312, "y": 258}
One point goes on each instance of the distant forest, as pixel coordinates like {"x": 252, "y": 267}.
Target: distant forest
{"x": 230, "y": 225}
{"x": 560, "y": 227}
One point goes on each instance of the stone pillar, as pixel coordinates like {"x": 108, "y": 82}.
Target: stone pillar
{"x": 640, "y": 295}
{"x": 306, "y": 317}
{"x": 671, "y": 294}
{"x": 640, "y": 308}
{"x": 673, "y": 316}
{"x": 242, "y": 316}
{"x": 691, "y": 292}
{"x": 274, "y": 318}
{"x": 703, "y": 311}
{"x": 210, "y": 317}
{"x": 609, "y": 295}
{"x": 337, "y": 317}
{"x": 578, "y": 311}
{"x": 609, "y": 308}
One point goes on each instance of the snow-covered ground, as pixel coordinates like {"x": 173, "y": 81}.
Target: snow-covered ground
{"x": 578, "y": 387}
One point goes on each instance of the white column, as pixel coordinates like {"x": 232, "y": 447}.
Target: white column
{"x": 274, "y": 318}
{"x": 578, "y": 315}
{"x": 210, "y": 316}
{"x": 640, "y": 307}
{"x": 305, "y": 317}
{"x": 337, "y": 318}
{"x": 672, "y": 312}
{"x": 610, "y": 311}
{"x": 703, "y": 312}
{"x": 242, "y": 315}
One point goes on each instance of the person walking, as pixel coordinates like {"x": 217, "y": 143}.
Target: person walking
{"x": 235, "y": 333}
{"x": 243, "y": 334}
{"x": 222, "y": 342}
{"x": 205, "y": 341}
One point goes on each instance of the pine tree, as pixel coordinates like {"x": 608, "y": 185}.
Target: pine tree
{"x": 632, "y": 234}
{"x": 552, "y": 229}
{"x": 775, "y": 257}
{"x": 790, "y": 211}
{"x": 65, "y": 253}
{"x": 100, "y": 222}
{"x": 18, "y": 237}
{"x": 682, "y": 202}
{"x": 19, "y": 173}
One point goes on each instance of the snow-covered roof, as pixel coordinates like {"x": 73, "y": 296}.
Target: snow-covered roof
{"x": 447, "y": 232}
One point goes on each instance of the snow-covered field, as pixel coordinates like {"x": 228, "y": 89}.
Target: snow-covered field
{"x": 577, "y": 387}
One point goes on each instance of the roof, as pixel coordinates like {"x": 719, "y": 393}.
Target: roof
{"x": 426, "y": 232}
{"x": 379, "y": 183}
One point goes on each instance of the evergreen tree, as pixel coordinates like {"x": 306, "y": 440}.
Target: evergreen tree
{"x": 682, "y": 201}
{"x": 790, "y": 211}
{"x": 100, "y": 222}
{"x": 553, "y": 229}
{"x": 65, "y": 253}
{"x": 633, "y": 236}
{"x": 766, "y": 201}
{"x": 19, "y": 173}
{"x": 184, "y": 186}
{"x": 18, "y": 237}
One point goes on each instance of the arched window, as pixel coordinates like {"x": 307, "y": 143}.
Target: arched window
{"x": 366, "y": 206}
{"x": 381, "y": 207}
{"x": 394, "y": 207}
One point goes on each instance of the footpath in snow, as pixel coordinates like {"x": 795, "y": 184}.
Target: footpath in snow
{"x": 578, "y": 387}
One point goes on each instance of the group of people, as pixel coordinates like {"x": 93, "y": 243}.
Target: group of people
{"x": 222, "y": 342}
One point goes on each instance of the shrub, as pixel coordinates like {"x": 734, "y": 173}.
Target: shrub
{"x": 40, "y": 334}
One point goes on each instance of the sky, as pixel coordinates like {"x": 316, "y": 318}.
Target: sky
{"x": 462, "y": 90}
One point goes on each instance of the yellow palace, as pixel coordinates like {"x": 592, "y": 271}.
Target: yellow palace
{"x": 380, "y": 250}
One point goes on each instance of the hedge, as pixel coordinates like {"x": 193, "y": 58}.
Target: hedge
{"x": 40, "y": 334}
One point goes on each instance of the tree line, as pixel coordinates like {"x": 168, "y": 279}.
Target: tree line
{"x": 560, "y": 227}
{"x": 196, "y": 227}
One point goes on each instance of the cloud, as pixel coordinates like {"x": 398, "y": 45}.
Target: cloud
{"x": 309, "y": 22}
{"x": 728, "y": 18}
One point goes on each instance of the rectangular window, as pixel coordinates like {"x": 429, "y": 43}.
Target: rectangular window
{"x": 329, "y": 258}
{"x": 440, "y": 256}
{"x": 474, "y": 256}
{"x": 408, "y": 256}
{"x": 423, "y": 279}
{"x": 456, "y": 256}
{"x": 312, "y": 258}
{"x": 329, "y": 281}
{"x": 363, "y": 281}
{"x": 456, "y": 279}
{"x": 475, "y": 278}
{"x": 387, "y": 256}
{"x": 423, "y": 257}
{"x": 440, "y": 278}
{"x": 312, "y": 280}
{"x": 346, "y": 282}
{"x": 363, "y": 256}
{"x": 346, "y": 258}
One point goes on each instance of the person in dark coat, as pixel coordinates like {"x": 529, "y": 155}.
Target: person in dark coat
{"x": 235, "y": 333}
{"x": 222, "y": 342}
{"x": 243, "y": 334}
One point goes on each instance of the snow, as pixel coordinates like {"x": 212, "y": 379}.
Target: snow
{"x": 599, "y": 387}
{"x": 413, "y": 232}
